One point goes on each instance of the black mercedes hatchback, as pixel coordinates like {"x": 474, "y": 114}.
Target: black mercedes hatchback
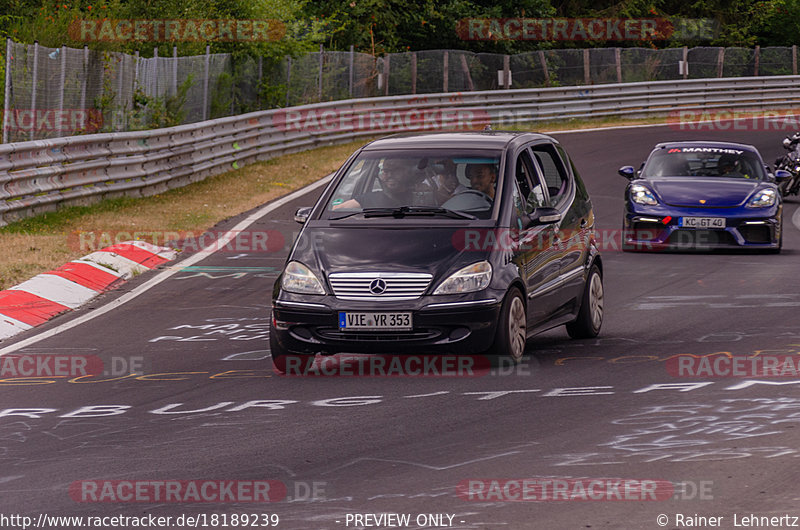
{"x": 458, "y": 243}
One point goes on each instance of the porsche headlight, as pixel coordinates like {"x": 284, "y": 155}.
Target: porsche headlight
{"x": 642, "y": 195}
{"x": 472, "y": 278}
{"x": 762, "y": 198}
{"x": 297, "y": 278}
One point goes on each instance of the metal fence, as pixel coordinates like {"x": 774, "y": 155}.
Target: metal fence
{"x": 54, "y": 92}
{"x": 44, "y": 175}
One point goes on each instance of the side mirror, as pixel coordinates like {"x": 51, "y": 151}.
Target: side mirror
{"x": 628, "y": 172}
{"x": 781, "y": 175}
{"x": 543, "y": 216}
{"x": 301, "y": 215}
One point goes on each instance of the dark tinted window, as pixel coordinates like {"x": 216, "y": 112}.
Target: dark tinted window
{"x": 553, "y": 171}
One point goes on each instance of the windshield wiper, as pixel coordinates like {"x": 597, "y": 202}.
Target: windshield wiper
{"x": 345, "y": 216}
{"x": 404, "y": 211}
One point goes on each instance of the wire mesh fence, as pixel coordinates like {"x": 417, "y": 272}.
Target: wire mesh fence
{"x": 53, "y": 92}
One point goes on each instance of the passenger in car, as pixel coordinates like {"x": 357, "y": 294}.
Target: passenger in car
{"x": 397, "y": 180}
{"x": 482, "y": 177}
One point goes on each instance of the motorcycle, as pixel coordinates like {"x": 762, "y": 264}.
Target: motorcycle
{"x": 790, "y": 162}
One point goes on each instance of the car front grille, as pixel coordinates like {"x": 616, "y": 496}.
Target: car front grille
{"x": 701, "y": 238}
{"x": 756, "y": 233}
{"x": 377, "y": 336}
{"x": 367, "y": 285}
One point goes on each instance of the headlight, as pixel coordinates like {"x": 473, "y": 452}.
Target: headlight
{"x": 642, "y": 195}
{"x": 762, "y": 198}
{"x": 297, "y": 278}
{"x": 469, "y": 279}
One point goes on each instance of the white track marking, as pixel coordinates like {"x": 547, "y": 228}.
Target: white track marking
{"x": 167, "y": 273}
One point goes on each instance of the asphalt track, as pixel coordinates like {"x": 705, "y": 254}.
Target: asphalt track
{"x": 209, "y": 407}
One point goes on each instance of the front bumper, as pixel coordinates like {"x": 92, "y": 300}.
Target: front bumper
{"x": 440, "y": 325}
{"x": 656, "y": 227}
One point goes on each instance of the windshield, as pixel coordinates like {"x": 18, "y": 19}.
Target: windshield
{"x": 435, "y": 183}
{"x": 703, "y": 162}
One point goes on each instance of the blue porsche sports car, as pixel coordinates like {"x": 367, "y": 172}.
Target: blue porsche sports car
{"x": 702, "y": 195}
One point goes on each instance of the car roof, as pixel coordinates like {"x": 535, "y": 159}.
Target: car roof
{"x": 718, "y": 145}
{"x": 471, "y": 139}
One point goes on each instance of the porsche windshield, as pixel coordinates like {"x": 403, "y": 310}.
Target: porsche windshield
{"x": 703, "y": 162}
{"x": 435, "y": 183}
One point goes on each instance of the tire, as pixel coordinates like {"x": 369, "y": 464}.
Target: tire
{"x": 590, "y": 315}
{"x": 512, "y": 328}
{"x": 298, "y": 363}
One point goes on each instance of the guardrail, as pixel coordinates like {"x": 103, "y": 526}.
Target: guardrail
{"x": 43, "y": 175}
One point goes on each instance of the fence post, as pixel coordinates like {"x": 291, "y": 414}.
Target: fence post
{"x": 260, "y": 80}
{"x": 319, "y": 88}
{"x": 205, "y": 82}
{"x": 446, "y": 71}
{"x": 685, "y": 62}
{"x": 62, "y": 81}
{"x": 544, "y": 68}
{"x": 7, "y": 91}
{"x": 83, "y": 85}
{"x": 386, "y": 74}
{"x": 352, "y": 65}
{"x": 587, "y": 78}
{"x": 618, "y": 60}
{"x": 153, "y": 88}
{"x": 413, "y": 72}
{"x": 288, "y": 76}
{"x": 465, "y": 68}
{"x": 794, "y": 59}
{"x": 720, "y": 61}
{"x": 174, "y": 70}
{"x": 135, "y": 68}
{"x": 120, "y": 104}
{"x": 506, "y": 72}
{"x": 757, "y": 59}
{"x": 35, "y": 75}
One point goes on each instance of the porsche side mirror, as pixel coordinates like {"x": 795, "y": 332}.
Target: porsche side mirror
{"x": 628, "y": 172}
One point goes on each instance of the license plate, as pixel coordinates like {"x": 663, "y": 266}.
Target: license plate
{"x": 702, "y": 222}
{"x": 349, "y": 321}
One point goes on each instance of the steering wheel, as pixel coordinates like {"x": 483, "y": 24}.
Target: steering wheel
{"x": 470, "y": 191}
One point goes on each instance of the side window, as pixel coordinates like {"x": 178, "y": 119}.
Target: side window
{"x": 579, "y": 185}
{"x": 529, "y": 183}
{"x": 555, "y": 175}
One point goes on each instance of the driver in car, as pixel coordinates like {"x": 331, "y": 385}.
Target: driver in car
{"x": 728, "y": 166}
{"x": 397, "y": 179}
{"x": 482, "y": 177}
